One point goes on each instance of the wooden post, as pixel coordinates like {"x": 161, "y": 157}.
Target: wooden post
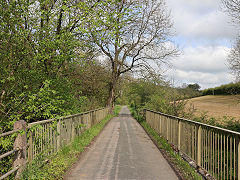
{"x": 58, "y": 134}
{"x": 238, "y": 159}
{"x": 179, "y": 134}
{"x": 199, "y": 148}
{"x": 20, "y": 144}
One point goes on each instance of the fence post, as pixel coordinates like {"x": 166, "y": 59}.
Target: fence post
{"x": 238, "y": 160}
{"x": 58, "y": 134}
{"x": 160, "y": 124}
{"x": 179, "y": 134}
{"x": 73, "y": 128}
{"x": 199, "y": 148}
{"x": 144, "y": 114}
{"x": 20, "y": 144}
{"x": 92, "y": 118}
{"x": 167, "y": 129}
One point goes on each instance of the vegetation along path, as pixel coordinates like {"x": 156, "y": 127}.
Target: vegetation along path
{"x": 123, "y": 151}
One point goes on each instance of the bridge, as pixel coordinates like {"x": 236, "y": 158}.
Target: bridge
{"x": 123, "y": 150}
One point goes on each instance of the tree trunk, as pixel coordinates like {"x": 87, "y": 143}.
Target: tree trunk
{"x": 111, "y": 95}
{"x": 112, "y": 86}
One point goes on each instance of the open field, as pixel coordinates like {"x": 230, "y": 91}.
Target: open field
{"x": 217, "y": 106}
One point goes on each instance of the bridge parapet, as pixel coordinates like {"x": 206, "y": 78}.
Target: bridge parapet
{"x": 213, "y": 149}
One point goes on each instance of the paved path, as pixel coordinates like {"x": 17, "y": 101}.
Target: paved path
{"x": 123, "y": 151}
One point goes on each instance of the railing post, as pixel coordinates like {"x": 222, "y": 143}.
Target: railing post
{"x": 30, "y": 147}
{"x": 238, "y": 159}
{"x": 179, "y": 134}
{"x": 73, "y": 128}
{"x": 144, "y": 114}
{"x": 93, "y": 118}
{"x": 167, "y": 128}
{"x": 160, "y": 124}
{"x": 199, "y": 148}
{"x": 20, "y": 144}
{"x": 58, "y": 134}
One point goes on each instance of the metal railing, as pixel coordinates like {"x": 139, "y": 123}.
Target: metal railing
{"x": 48, "y": 136}
{"x": 214, "y": 149}
{"x": 14, "y": 169}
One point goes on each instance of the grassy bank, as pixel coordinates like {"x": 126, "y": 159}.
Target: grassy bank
{"x": 184, "y": 169}
{"x": 57, "y": 164}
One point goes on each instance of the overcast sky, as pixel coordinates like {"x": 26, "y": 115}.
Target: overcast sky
{"x": 204, "y": 35}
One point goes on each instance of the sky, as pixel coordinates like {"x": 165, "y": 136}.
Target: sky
{"x": 204, "y": 35}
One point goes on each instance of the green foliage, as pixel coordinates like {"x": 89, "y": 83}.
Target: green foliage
{"x": 189, "y": 91}
{"x": 167, "y": 104}
{"x": 228, "y": 89}
{"x": 223, "y": 122}
{"x": 40, "y": 43}
{"x": 43, "y": 59}
{"x": 54, "y": 167}
{"x": 6, "y": 144}
{"x": 156, "y": 96}
{"x": 194, "y": 87}
{"x": 45, "y": 104}
{"x": 231, "y": 124}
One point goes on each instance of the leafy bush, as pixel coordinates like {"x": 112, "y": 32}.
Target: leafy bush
{"x": 224, "y": 122}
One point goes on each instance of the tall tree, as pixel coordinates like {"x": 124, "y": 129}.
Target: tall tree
{"x": 234, "y": 59}
{"x": 131, "y": 34}
{"x": 232, "y": 7}
{"x": 37, "y": 44}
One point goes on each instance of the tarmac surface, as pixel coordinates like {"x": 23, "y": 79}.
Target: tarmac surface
{"x": 123, "y": 150}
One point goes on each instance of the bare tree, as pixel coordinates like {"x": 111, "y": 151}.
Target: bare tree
{"x": 132, "y": 34}
{"x": 234, "y": 59}
{"x": 232, "y": 7}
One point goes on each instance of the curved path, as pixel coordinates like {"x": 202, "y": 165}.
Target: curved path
{"x": 122, "y": 151}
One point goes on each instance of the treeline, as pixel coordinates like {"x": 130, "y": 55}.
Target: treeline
{"x": 228, "y": 89}
{"x": 46, "y": 70}
{"x": 157, "y": 95}
{"x": 50, "y": 53}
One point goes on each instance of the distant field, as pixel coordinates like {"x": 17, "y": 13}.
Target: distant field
{"x": 217, "y": 106}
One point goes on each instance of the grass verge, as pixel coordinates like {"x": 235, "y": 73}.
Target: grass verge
{"x": 58, "y": 163}
{"x": 181, "y": 166}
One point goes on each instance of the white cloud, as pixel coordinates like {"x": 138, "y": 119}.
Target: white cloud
{"x": 193, "y": 6}
{"x": 204, "y": 33}
{"x": 203, "y": 59}
{"x": 201, "y": 19}
{"x": 213, "y": 26}
{"x": 203, "y": 65}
